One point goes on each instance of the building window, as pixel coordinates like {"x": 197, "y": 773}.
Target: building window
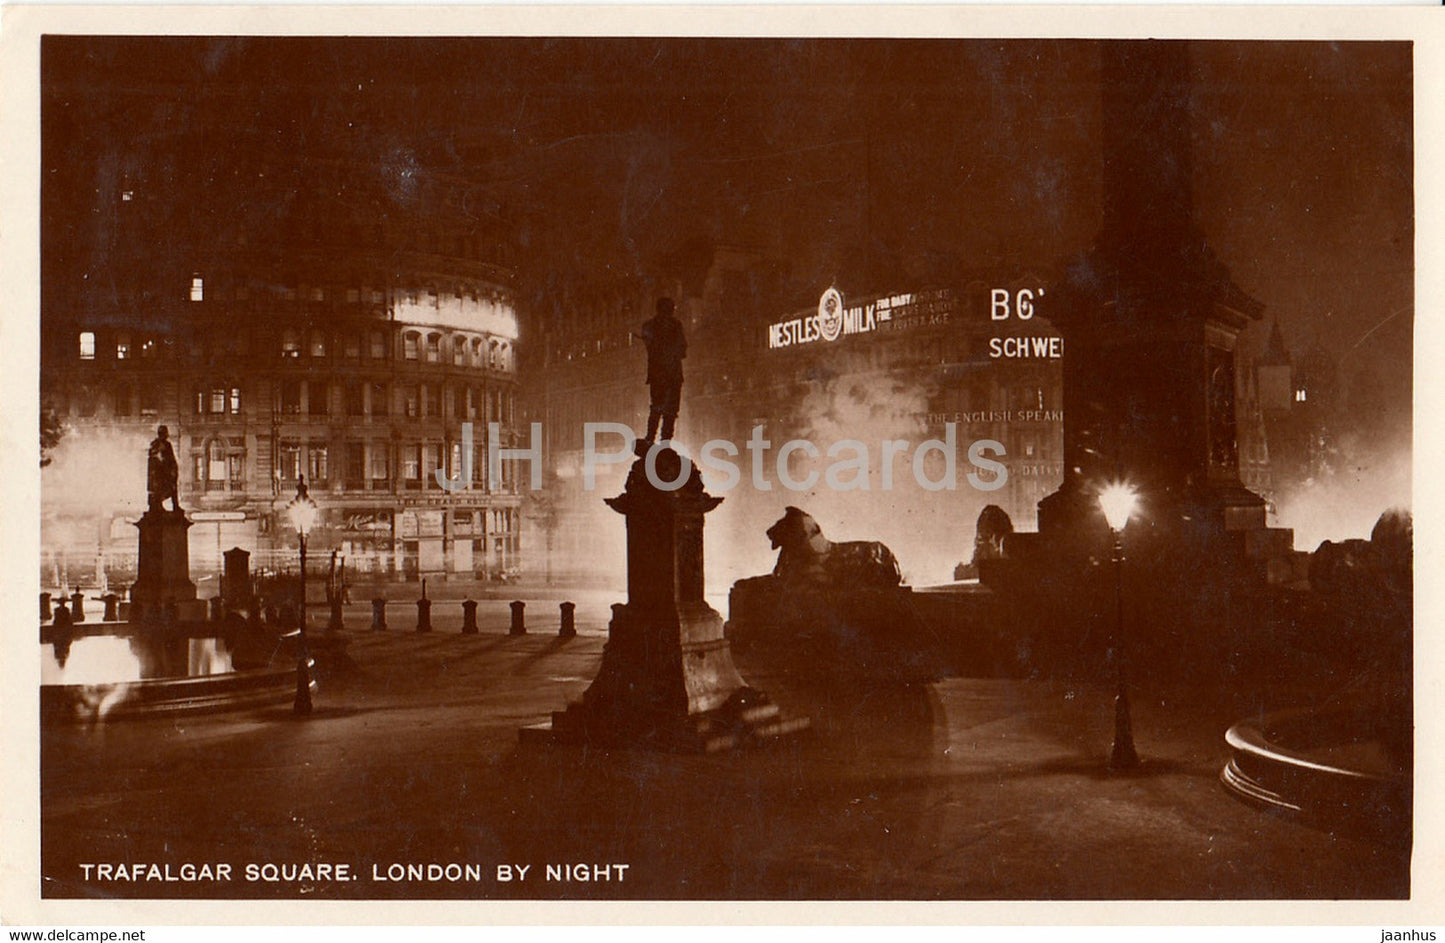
{"x": 215, "y": 465}
{"x": 353, "y": 346}
{"x": 377, "y": 297}
{"x": 433, "y": 348}
{"x": 428, "y": 399}
{"x": 235, "y": 401}
{"x": 218, "y": 401}
{"x": 355, "y": 404}
{"x": 318, "y": 293}
{"x": 459, "y": 351}
{"x": 198, "y": 469}
{"x": 318, "y": 400}
{"x": 355, "y": 463}
{"x": 316, "y": 463}
{"x": 85, "y": 402}
{"x": 198, "y": 288}
{"x": 378, "y": 345}
{"x": 1300, "y": 395}
{"x": 471, "y": 395}
{"x": 410, "y": 345}
{"x": 290, "y": 343}
{"x": 237, "y": 473}
{"x": 87, "y": 345}
{"x": 353, "y": 295}
{"x": 412, "y": 407}
{"x": 379, "y": 465}
{"x": 411, "y": 463}
{"x": 431, "y": 462}
{"x": 318, "y": 344}
{"x": 379, "y": 400}
{"x": 288, "y": 463}
{"x": 148, "y": 348}
{"x": 291, "y": 397}
{"x": 150, "y": 400}
{"x": 122, "y": 347}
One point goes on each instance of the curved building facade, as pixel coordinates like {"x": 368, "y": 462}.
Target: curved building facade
{"x": 360, "y": 336}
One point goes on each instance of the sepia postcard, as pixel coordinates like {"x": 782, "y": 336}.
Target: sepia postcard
{"x": 536, "y": 464}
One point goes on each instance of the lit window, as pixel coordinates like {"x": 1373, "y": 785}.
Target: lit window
{"x": 198, "y": 288}
{"x": 316, "y": 462}
{"x": 1300, "y": 396}
{"x": 235, "y": 401}
{"x": 318, "y": 344}
{"x": 289, "y": 464}
{"x": 318, "y": 294}
{"x": 87, "y": 345}
{"x": 290, "y": 344}
{"x": 122, "y": 347}
{"x": 216, "y": 464}
{"x": 379, "y": 470}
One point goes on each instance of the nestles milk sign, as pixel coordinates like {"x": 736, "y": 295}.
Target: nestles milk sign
{"x": 834, "y": 319}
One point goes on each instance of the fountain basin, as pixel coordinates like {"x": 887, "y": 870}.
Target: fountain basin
{"x": 1342, "y": 766}
{"x": 108, "y": 671}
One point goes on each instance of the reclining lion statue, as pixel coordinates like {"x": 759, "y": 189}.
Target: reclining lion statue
{"x": 806, "y": 557}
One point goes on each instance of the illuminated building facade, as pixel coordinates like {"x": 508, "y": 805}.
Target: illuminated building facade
{"x": 349, "y": 338}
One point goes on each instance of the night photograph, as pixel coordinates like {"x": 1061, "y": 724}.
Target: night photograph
{"x": 681, "y": 468}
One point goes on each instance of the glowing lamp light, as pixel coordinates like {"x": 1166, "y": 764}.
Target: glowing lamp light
{"x": 302, "y": 510}
{"x": 1119, "y": 501}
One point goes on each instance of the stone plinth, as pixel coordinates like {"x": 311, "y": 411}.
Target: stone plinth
{"x": 667, "y": 679}
{"x": 163, "y": 589}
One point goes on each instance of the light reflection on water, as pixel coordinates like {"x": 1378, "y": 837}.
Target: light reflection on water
{"x": 109, "y": 659}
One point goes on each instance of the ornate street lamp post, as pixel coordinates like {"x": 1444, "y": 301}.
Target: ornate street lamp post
{"x": 1119, "y": 502}
{"x": 302, "y": 511}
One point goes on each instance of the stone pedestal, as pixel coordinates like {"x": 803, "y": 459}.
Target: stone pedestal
{"x": 163, "y": 587}
{"x": 667, "y": 679}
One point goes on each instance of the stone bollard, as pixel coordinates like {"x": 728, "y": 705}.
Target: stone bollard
{"x": 519, "y": 618}
{"x": 112, "y": 607}
{"x": 218, "y": 609}
{"x": 378, "y": 613}
{"x": 569, "y": 625}
{"x": 45, "y": 607}
{"x": 423, "y": 615}
{"x": 77, "y": 606}
{"x": 469, "y": 616}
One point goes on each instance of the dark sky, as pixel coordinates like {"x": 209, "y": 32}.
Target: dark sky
{"x": 879, "y": 162}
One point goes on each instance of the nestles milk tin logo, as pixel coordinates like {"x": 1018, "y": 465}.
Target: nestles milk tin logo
{"x": 830, "y": 314}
